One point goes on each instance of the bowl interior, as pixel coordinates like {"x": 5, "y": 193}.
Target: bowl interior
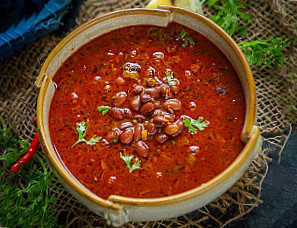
{"x": 119, "y": 19}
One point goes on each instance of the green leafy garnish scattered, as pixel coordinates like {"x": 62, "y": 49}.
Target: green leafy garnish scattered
{"x": 265, "y": 52}
{"x": 183, "y": 36}
{"x": 229, "y": 14}
{"x": 182, "y": 33}
{"x": 25, "y": 200}
{"x": 193, "y": 125}
{"x": 128, "y": 159}
{"x": 82, "y": 130}
{"x": 170, "y": 79}
{"x": 103, "y": 109}
{"x": 190, "y": 40}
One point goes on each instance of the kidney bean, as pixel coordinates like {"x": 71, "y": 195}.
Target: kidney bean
{"x": 160, "y": 120}
{"x": 165, "y": 92}
{"x": 113, "y": 135}
{"x": 127, "y": 136}
{"x": 180, "y": 125}
{"x": 127, "y": 112}
{"x": 175, "y": 89}
{"x": 151, "y": 128}
{"x": 125, "y": 125}
{"x": 137, "y": 90}
{"x": 120, "y": 81}
{"x": 161, "y": 138}
{"x": 171, "y": 129}
{"x": 173, "y": 104}
{"x": 168, "y": 116}
{"x": 135, "y": 103}
{"x": 153, "y": 92}
{"x": 142, "y": 149}
{"x": 119, "y": 99}
{"x": 137, "y": 132}
{"x": 157, "y": 104}
{"x": 116, "y": 113}
{"x": 147, "y": 108}
{"x": 139, "y": 118}
{"x": 145, "y": 97}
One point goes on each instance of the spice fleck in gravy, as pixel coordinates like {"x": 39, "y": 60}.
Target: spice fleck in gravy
{"x": 147, "y": 111}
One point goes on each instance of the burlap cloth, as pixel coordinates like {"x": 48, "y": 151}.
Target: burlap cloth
{"x": 277, "y": 110}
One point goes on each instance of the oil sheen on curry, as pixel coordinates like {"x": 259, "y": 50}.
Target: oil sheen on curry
{"x": 146, "y": 112}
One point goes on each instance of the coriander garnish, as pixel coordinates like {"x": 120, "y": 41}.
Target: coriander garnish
{"x": 128, "y": 159}
{"x": 193, "y": 125}
{"x": 82, "y": 129}
{"x": 103, "y": 109}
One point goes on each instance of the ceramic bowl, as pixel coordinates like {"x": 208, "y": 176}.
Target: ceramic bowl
{"x": 118, "y": 209}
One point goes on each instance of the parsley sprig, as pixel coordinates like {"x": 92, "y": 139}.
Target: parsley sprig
{"x": 259, "y": 52}
{"x": 195, "y": 125}
{"x": 169, "y": 76}
{"x": 82, "y": 130}
{"x": 127, "y": 159}
{"x": 103, "y": 109}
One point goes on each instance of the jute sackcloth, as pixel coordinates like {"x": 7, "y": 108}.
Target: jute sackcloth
{"x": 277, "y": 110}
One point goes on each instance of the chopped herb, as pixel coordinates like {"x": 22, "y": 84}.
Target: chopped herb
{"x": 103, "y": 109}
{"x": 182, "y": 33}
{"x": 169, "y": 76}
{"x": 128, "y": 159}
{"x": 228, "y": 15}
{"x": 82, "y": 129}
{"x": 190, "y": 40}
{"x": 265, "y": 52}
{"x": 193, "y": 125}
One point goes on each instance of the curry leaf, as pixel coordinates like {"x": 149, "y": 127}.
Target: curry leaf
{"x": 127, "y": 159}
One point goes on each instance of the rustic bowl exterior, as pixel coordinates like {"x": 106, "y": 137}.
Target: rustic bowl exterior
{"x": 117, "y": 209}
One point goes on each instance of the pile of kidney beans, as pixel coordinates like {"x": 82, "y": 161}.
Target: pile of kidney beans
{"x": 155, "y": 115}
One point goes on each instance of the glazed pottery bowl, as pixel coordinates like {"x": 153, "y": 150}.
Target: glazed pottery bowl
{"x": 118, "y": 209}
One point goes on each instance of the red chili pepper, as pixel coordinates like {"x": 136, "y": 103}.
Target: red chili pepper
{"x": 28, "y": 155}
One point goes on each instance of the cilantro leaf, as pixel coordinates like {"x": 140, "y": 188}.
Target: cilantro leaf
{"x": 264, "y": 52}
{"x": 182, "y": 33}
{"x": 169, "y": 76}
{"x": 128, "y": 159}
{"x": 191, "y": 41}
{"x": 103, "y": 109}
{"x": 82, "y": 130}
{"x": 93, "y": 140}
{"x": 193, "y": 125}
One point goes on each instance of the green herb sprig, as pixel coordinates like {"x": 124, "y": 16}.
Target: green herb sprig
{"x": 183, "y": 36}
{"x": 127, "y": 159}
{"x": 169, "y": 76}
{"x": 195, "y": 125}
{"x": 229, "y": 14}
{"x": 82, "y": 130}
{"x": 28, "y": 204}
{"x": 265, "y": 52}
{"x": 103, "y": 109}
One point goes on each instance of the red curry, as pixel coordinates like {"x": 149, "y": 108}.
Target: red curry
{"x": 146, "y": 111}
